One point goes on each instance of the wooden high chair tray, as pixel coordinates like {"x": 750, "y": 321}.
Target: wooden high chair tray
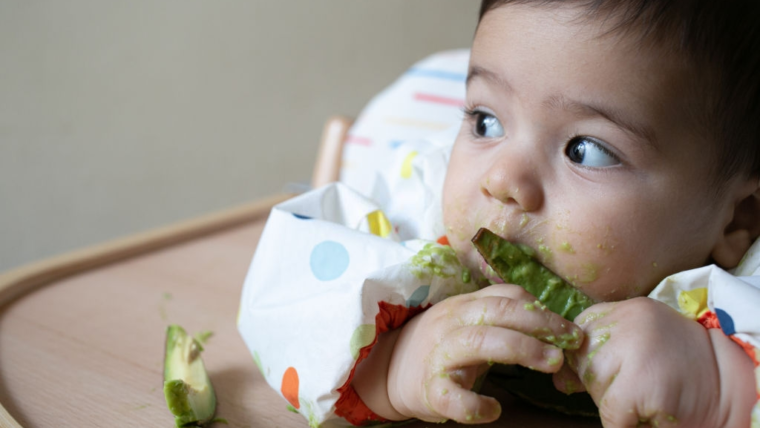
{"x": 82, "y": 336}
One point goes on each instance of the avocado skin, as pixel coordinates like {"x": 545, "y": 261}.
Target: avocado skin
{"x": 515, "y": 265}
{"x": 537, "y": 389}
{"x": 187, "y": 388}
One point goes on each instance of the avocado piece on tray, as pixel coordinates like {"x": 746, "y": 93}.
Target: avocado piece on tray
{"x": 515, "y": 264}
{"x": 187, "y": 387}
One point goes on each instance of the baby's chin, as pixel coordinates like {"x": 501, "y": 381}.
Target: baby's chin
{"x": 609, "y": 289}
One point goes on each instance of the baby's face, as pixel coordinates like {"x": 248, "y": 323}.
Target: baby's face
{"x": 584, "y": 148}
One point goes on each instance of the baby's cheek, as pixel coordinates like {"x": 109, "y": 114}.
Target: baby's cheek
{"x": 458, "y": 223}
{"x": 591, "y": 261}
{"x": 462, "y": 245}
{"x": 459, "y": 238}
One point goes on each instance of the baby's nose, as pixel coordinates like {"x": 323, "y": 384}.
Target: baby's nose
{"x": 514, "y": 180}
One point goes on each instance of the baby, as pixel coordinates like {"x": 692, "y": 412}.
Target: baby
{"x": 619, "y": 139}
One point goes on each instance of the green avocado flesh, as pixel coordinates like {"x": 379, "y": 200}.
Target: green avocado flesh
{"x": 187, "y": 388}
{"x": 515, "y": 264}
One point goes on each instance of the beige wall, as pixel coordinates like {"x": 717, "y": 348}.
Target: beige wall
{"x": 116, "y": 117}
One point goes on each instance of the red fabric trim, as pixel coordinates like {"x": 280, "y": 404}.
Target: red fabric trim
{"x": 749, "y": 349}
{"x": 443, "y": 240}
{"x": 350, "y": 406}
{"x": 709, "y": 320}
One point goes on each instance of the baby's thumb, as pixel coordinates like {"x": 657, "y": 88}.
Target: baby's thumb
{"x": 565, "y": 380}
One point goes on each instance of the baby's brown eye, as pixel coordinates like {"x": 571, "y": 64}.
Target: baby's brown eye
{"x": 487, "y": 125}
{"x": 588, "y": 151}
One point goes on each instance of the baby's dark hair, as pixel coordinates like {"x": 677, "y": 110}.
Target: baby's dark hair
{"x": 721, "y": 40}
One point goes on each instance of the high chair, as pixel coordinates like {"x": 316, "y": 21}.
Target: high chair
{"x": 82, "y": 334}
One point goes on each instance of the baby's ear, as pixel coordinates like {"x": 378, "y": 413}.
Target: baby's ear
{"x": 743, "y": 229}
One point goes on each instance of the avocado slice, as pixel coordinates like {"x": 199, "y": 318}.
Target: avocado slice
{"x": 187, "y": 388}
{"x": 515, "y": 264}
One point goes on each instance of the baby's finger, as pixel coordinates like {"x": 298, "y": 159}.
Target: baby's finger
{"x": 503, "y": 290}
{"x": 531, "y": 318}
{"x": 593, "y": 314}
{"x": 448, "y": 399}
{"x": 565, "y": 380}
{"x": 596, "y": 364}
{"x": 474, "y": 345}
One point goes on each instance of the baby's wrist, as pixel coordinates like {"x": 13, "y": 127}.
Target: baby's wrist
{"x": 738, "y": 392}
{"x": 371, "y": 377}
{"x": 405, "y": 391}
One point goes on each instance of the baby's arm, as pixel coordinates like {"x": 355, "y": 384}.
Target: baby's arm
{"x": 647, "y": 365}
{"x": 428, "y": 368}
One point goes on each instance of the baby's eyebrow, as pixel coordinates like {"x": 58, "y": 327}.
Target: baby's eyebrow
{"x": 589, "y": 109}
{"x": 476, "y": 71}
{"x": 584, "y": 109}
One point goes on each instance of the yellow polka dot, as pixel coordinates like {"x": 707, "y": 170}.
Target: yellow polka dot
{"x": 362, "y": 336}
{"x": 406, "y": 167}
{"x": 693, "y": 303}
{"x": 379, "y": 224}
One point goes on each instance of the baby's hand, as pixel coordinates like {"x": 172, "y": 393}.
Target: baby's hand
{"x": 646, "y": 365}
{"x": 440, "y": 353}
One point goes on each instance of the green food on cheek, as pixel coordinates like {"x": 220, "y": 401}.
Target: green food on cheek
{"x": 515, "y": 264}
{"x": 566, "y": 247}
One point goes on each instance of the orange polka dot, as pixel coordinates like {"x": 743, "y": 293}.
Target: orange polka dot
{"x": 289, "y": 387}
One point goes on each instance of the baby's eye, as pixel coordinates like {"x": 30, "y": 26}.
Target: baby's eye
{"x": 590, "y": 152}
{"x": 487, "y": 125}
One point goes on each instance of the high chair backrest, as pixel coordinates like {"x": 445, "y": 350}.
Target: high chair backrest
{"x": 426, "y": 99}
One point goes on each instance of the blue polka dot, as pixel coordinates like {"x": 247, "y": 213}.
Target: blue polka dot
{"x": 726, "y": 322}
{"x": 329, "y": 260}
{"x": 395, "y": 143}
{"x": 418, "y": 296}
{"x": 301, "y": 217}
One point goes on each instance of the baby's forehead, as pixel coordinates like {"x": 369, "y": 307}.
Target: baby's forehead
{"x": 643, "y": 29}
{"x": 584, "y": 70}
